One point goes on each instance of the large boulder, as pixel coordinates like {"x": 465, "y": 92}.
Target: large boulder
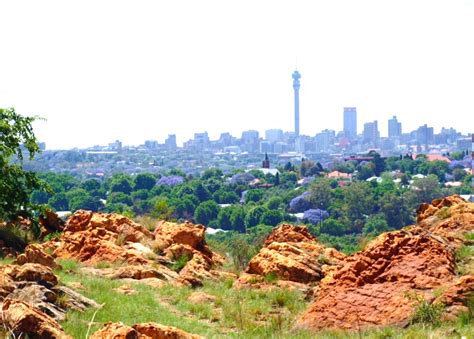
{"x": 20, "y": 318}
{"x": 291, "y": 253}
{"x": 37, "y": 286}
{"x": 93, "y": 237}
{"x": 34, "y": 253}
{"x": 141, "y": 331}
{"x": 382, "y": 284}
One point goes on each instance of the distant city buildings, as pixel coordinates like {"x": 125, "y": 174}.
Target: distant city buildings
{"x": 394, "y": 128}
{"x": 371, "y": 133}
{"x": 292, "y": 144}
{"x": 274, "y": 135}
{"x": 170, "y": 142}
{"x": 350, "y": 122}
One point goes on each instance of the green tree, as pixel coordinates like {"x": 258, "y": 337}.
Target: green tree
{"x": 162, "y": 209}
{"x": 375, "y": 225}
{"x": 271, "y": 217}
{"x": 254, "y": 215}
{"x": 237, "y": 219}
{"x": 223, "y": 218}
{"x": 144, "y": 181}
{"x": 359, "y": 202}
{"x": 90, "y": 185}
{"x": 202, "y": 193}
{"x": 16, "y": 184}
{"x": 206, "y": 211}
{"x": 321, "y": 193}
{"x": 274, "y": 203}
{"x": 119, "y": 198}
{"x": 121, "y": 183}
{"x": 212, "y": 173}
{"x": 254, "y": 195}
{"x": 59, "y": 202}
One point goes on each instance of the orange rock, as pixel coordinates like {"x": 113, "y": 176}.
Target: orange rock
{"x": 292, "y": 253}
{"x": 142, "y": 331}
{"x": 290, "y": 233}
{"x": 201, "y": 297}
{"x": 92, "y": 237}
{"x": 372, "y": 288}
{"x": 20, "y": 318}
{"x": 35, "y": 254}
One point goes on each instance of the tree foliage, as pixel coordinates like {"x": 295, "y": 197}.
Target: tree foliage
{"x": 16, "y": 184}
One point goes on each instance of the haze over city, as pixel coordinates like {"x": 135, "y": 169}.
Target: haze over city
{"x": 100, "y": 71}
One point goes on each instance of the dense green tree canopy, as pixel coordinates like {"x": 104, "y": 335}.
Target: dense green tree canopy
{"x": 16, "y": 184}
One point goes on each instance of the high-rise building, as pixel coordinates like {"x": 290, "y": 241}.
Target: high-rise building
{"x": 324, "y": 140}
{"x": 350, "y": 122}
{"x": 273, "y": 135}
{"x": 296, "y": 87}
{"x": 394, "y": 128}
{"x": 250, "y": 141}
{"x": 170, "y": 142}
{"x": 371, "y": 133}
{"x": 425, "y": 135}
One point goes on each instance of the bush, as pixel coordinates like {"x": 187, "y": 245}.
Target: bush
{"x": 426, "y": 313}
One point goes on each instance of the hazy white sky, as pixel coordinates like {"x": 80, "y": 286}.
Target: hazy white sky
{"x": 135, "y": 70}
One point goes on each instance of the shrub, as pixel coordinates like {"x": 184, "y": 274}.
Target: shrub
{"x": 425, "y": 312}
{"x": 180, "y": 262}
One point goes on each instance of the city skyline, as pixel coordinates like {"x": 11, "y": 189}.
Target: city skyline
{"x": 145, "y": 71}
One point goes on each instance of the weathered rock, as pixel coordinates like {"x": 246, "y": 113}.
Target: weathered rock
{"x": 201, "y": 297}
{"x": 425, "y": 211}
{"x": 20, "y": 318}
{"x": 50, "y": 222}
{"x": 290, "y": 233}
{"x": 455, "y": 297}
{"x": 125, "y": 289}
{"x": 142, "y": 331}
{"x": 373, "y": 287}
{"x": 291, "y": 253}
{"x": 287, "y": 262}
{"x": 35, "y": 254}
{"x": 93, "y": 237}
{"x": 37, "y": 286}
{"x": 43, "y": 275}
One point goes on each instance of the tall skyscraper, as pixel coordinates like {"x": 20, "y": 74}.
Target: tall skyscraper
{"x": 350, "y": 122}
{"x": 371, "y": 133}
{"x": 296, "y": 86}
{"x": 394, "y": 128}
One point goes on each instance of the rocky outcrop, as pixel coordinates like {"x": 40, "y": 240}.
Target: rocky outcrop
{"x": 35, "y": 254}
{"x": 93, "y": 237}
{"x": 291, "y": 253}
{"x": 50, "y": 222}
{"x": 100, "y": 237}
{"x": 37, "y": 286}
{"x": 375, "y": 287}
{"x": 19, "y": 318}
{"x": 142, "y": 331}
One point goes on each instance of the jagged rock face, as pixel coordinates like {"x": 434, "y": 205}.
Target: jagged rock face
{"x": 34, "y": 254}
{"x": 20, "y": 319}
{"x": 142, "y": 331}
{"x": 92, "y": 237}
{"x": 37, "y": 286}
{"x": 290, "y": 233}
{"x": 291, "y": 253}
{"x": 375, "y": 287}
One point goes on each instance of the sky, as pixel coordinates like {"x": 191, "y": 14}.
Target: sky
{"x": 103, "y": 70}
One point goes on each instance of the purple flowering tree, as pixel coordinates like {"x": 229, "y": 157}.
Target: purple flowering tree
{"x": 172, "y": 180}
{"x": 300, "y": 203}
{"x": 315, "y": 216}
